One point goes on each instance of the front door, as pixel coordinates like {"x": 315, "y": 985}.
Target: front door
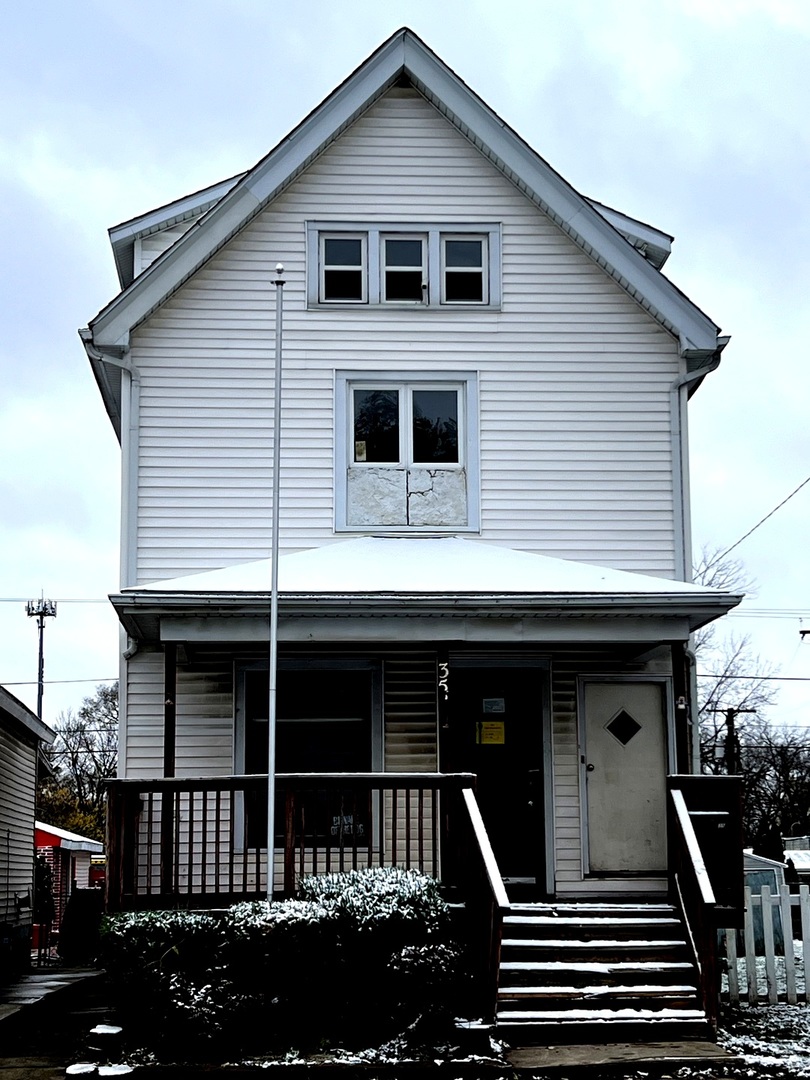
{"x": 624, "y": 755}
{"x": 496, "y": 725}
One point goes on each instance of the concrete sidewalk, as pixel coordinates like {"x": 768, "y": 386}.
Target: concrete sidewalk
{"x": 39, "y": 983}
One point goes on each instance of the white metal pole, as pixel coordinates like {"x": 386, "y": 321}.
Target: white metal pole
{"x": 273, "y": 679}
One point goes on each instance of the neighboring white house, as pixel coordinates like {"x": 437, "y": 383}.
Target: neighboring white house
{"x": 484, "y": 484}
{"x": 21, "y": 736}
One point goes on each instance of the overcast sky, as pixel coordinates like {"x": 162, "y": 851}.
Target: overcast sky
{"x": 689, "y": 115}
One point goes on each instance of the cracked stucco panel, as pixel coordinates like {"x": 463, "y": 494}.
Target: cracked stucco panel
{"x": 377, "y": 497}
{"x": 437, "y": 497}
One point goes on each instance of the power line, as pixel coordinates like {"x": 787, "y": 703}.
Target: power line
{"x": 757, "y": 678}
{"x": 58, "y": 682}
{"x": 59, "y": 600}
{"x": 762, "y": 521}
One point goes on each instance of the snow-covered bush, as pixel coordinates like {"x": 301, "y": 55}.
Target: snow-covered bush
{"x": 361, "y": 956}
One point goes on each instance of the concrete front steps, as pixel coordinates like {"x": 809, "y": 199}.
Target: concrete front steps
{"x": 597, "y": 972}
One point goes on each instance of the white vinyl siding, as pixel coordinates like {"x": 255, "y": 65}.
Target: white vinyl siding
{"x": 147, "y": 248}
{"x": 17, "y": 802}
{"x": 574, "y": 377}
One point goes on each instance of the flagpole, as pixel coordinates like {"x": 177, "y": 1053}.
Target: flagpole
{"x": 273, "y": 677}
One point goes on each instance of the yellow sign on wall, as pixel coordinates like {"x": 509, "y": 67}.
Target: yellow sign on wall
{"x": 490, "y": 733}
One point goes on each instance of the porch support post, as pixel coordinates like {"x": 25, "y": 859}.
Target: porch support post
{"x": 685, "y": 713}
{"x": 169, "y": 707}
{"x": 167, "y": 807}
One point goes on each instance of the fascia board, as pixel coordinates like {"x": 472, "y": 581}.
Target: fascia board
{"x": 571, "y": 211}
{"x": 123, "y": 236}
{"x": 108, "y": 379}
{"x": 112, "y": 326}
{"x": 514, "y": 628}
{"x": 171, "y": 213}
{"x": 638, "y": 233}
{"x": 240, "y": 204}
{"x": 566, "y": 206}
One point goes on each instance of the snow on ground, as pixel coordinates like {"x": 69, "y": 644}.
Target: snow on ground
{"x": 762, "y": 984}
{"x": 774, "y": 1040}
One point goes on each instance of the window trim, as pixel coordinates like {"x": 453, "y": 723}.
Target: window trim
{"x": 405, "y": 389}
{"x": 445, "y": 236}
{"x": 329, "y": 234}
{"x": 384, "y": 267}
{"x": 433, "y": 234}
{"x": 466, "y": 382}
{"x": 317, "y": 665}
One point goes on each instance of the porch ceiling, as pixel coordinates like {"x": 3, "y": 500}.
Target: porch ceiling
{"x": 489, "y": 590}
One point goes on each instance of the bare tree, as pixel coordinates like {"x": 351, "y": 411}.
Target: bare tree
{"x": 730, "y": 675}
{"x": 84, "y": 755}
{"x": 775, "y": 766}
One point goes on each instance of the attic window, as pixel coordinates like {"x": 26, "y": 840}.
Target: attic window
{"x": 418, "y": 265}
{"x": 343, "y": 268}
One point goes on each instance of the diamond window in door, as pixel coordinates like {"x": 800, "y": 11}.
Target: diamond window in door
{"x": 623, "y": 727}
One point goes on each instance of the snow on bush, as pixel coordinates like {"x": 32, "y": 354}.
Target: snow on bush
{"x": 360, "y": 954}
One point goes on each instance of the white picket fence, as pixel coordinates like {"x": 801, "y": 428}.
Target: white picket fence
{"x": 777, "y": 966}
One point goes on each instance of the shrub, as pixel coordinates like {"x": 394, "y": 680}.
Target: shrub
{"x": 359, "y": 956}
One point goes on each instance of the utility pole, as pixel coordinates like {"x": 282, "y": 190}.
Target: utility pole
{"x": 41, "y": 609}
{"x": 731, "y": 737}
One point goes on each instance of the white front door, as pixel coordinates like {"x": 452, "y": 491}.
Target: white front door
{"x": 625, "y": 768}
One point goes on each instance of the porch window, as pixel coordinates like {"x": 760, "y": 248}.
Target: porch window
{"x": 327, "y": 721}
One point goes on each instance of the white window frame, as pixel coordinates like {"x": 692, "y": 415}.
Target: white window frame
{"x": 405, "y": 390}
{"x": 433, "y": 234}
{"x": 385, "y": 267}
{"x": 465, "y": 382}
{"x": 322, "y": 265}
{"x": 483, "y": 302}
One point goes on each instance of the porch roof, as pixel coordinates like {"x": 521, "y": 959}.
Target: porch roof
{"x": 421, "y": 576}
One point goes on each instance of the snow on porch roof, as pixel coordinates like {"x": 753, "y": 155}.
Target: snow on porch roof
{"x": 427, "y": 565}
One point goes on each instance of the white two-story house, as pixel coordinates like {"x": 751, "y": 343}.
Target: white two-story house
{"x": 484, "y": 514}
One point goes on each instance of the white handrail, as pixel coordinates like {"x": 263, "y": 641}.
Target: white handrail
{"x": 693, "y": 847}
{"x": 487, "y": 854}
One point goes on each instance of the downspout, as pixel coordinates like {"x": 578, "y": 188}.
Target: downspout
{"x": 680, "y": 454}
{"x": 130, "y": 453}
{"x": 683, "y": 524}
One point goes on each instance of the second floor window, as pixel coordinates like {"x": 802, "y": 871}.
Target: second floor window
{"x": 406, "y": 425}
{"x": 406, "y": 451}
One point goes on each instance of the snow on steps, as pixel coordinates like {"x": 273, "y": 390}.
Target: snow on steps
{"x": 574, "y": 972}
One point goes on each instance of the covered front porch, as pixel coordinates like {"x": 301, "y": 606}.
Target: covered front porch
{"x": 564, "y": 689}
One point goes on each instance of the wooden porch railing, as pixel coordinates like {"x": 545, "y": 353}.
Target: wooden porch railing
{"x": 203, "y": 841}
{"x": 706, "y": 868}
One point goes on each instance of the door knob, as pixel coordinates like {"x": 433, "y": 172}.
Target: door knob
{"x": 589, "y": 768}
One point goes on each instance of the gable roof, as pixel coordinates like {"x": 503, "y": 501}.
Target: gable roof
{"x": 18, "y": 717}
{"x": 403, "y": 55}
{"x": 654, "y": 244}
